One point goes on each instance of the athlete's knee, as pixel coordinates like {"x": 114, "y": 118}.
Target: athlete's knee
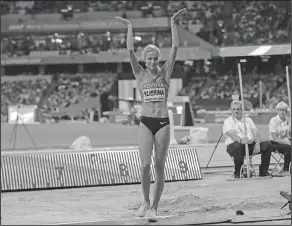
{"x": 159, "y": 166}
{"x": 145, "y": 168}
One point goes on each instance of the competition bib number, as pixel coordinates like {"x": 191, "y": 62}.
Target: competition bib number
{"x": 154, "y": 94}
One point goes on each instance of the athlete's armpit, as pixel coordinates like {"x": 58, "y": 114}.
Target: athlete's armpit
{"x": 136, "y": 67}
{"x": 167, "y": 68}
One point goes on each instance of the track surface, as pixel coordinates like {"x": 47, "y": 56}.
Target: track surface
{"x": 102, "y": 135}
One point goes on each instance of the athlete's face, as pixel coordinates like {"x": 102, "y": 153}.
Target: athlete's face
{"x": 152, "y": 59}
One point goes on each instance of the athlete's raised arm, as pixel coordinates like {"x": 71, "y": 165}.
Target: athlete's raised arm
{"x": 136, "y": 67}
{"x": 168, "y": 66}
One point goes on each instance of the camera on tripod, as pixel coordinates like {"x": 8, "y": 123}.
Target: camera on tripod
{"x": 19, "y": 120}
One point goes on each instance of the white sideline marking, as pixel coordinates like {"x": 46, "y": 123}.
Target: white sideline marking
{"x": 161, "y": 217}
{"x": 92, "y": 222}
{"x": 76, "y": 222}
{"x": 94, "y": 150}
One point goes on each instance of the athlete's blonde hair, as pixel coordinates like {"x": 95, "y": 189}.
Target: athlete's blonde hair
{"x": 149, "y": 48}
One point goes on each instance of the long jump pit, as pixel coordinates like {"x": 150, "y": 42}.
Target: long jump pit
{"x": 102, "y": 187}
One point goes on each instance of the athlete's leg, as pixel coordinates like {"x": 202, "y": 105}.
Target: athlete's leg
{"x": 161, "y": 142}
{"x": 145, "y": 151}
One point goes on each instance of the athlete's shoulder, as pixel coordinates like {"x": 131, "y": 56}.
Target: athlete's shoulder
{"x": 142, "y": 72}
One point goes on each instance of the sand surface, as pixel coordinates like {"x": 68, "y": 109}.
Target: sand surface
{"x": 212, "y": 199}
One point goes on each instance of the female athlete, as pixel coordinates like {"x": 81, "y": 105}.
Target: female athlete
{"x": 153, "y": 85}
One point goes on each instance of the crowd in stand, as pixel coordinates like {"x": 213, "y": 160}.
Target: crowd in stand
{"x": 38, "y": 7}
{"x": 69, "y": 90}
{"x": 79, "y": 43}
{"x": 273, "y": 88}
{"x": 72, "y": 89}
{"x": 224, "y": 23}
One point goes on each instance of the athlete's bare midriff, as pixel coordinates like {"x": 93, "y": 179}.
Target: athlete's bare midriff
{"x": 154, "y": 109}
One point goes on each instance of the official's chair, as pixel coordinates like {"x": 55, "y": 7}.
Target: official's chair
{"x": 279, "y": 166}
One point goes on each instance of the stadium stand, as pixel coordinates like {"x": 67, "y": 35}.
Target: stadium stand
{"x": 222, "y": 23}
{"x": 67, "y": 90}
{"x": 39, "y": 31}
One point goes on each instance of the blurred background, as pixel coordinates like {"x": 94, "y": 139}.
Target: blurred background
{"x": 66, "y": 58}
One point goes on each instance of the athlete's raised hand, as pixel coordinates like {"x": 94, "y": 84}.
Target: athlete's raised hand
{"x": 124, "y": 21}
{"x": 177, "y": 15}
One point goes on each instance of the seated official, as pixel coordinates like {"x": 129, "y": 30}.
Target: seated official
{"x": 280, "y": 133}
{"x": 233, "y": 129}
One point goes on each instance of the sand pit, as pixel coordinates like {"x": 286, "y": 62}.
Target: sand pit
{"x": 212, "y": 199}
